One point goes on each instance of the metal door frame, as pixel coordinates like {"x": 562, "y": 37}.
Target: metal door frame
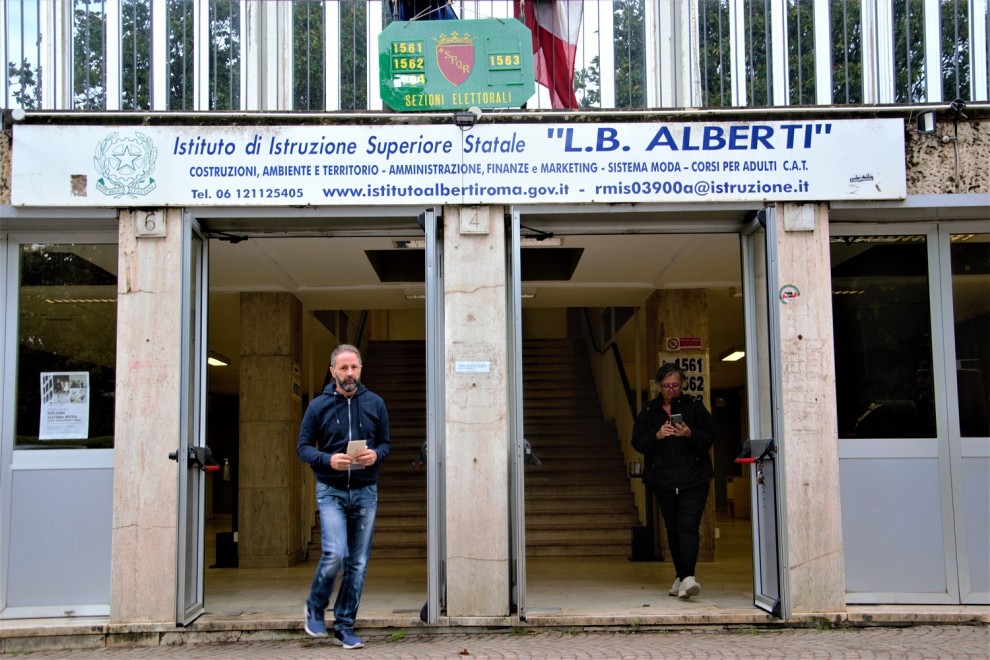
{"x": 19, "y": 227}
{"x": 959, "y": 447}
{"x": 514, "y": 383}
{"x": 763, "y": 348}
{"x": 947, "y": 448}
{"x": 190, "y": 546}
{"x": 436, "y": 584}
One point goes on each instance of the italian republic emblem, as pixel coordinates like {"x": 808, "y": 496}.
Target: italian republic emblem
{"x": 455, "y": 56}
{"x": 125, "y": 165}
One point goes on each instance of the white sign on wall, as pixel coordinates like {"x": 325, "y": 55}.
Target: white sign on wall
{"x": 504, "y": 163}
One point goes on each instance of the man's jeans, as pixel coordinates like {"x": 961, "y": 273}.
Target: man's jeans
{"x": 347, "y": 523}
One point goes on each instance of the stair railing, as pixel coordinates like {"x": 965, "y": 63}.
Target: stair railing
{"x": 612, "y": 348}
{"x": 610, "y": 377}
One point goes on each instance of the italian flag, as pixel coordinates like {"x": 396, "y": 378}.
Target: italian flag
{"x": 556, "y": 26}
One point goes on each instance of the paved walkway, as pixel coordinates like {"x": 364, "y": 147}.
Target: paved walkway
{"x": 946, "y": 641}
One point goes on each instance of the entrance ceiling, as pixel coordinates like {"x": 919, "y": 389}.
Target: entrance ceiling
{"x": 354, "y": 266}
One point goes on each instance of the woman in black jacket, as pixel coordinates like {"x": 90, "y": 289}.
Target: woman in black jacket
{"x": 678, "y": 468}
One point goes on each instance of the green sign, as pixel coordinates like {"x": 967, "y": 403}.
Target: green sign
{"x": 453, "y": 65}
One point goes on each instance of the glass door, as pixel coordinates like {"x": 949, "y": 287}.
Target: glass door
{"x": 59, "y": 358}
{"x": 911, "y": 310}
{"x": 965, "y": 301}
{"x": 759, "y": 267}
{"x": 193, "y": 457}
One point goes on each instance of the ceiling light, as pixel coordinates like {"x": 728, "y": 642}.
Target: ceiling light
{"x": 215, "y": 359}
{"x": 733, "y": 355}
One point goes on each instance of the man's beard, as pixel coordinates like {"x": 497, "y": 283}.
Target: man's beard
{"x": 348, "y": 385}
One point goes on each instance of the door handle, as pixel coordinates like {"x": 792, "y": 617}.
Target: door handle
{"x": 201, "y": 457}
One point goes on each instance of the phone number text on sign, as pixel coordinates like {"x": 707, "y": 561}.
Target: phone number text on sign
{"x": 694, "y": 364}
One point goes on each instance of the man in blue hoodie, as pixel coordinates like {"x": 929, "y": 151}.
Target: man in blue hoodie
{"x": 344, "y": 437}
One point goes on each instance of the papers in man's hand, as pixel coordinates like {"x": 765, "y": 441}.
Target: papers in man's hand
{"x": 355, "y": 447}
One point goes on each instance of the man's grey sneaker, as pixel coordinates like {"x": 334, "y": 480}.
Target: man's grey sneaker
{"x": 315, "y": 626}
{"x": 675, "y": 588}
{"x": 348, "y": 639}
{"x": 689, "y": 587}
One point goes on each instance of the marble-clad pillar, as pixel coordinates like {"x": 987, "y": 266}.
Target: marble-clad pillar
{"x": 270, "y": 486}
{"x": 476, "y": 411}
{"x": 810, "y": 449}
{"x": 149, "y": 364}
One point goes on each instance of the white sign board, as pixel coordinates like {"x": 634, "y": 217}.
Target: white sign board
{"x": 504, "y": 163}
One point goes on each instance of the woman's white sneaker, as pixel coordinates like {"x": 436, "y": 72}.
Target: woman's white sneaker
{"x": 675, "y": 589}
{"x": 689, "y": 587}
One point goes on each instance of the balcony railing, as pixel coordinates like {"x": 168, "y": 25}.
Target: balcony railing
{"x": 321, "y": 55}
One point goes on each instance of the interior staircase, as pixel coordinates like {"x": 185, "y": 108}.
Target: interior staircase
{"x": 577, "y": 502}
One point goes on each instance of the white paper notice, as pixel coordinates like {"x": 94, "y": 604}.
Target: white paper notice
{"x": 64, "y": 406}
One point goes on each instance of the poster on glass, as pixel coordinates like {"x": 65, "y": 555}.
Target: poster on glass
{"x": 64, "y": 406}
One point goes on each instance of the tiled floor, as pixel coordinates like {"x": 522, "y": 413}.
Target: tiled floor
{"x": 557, "y": 589}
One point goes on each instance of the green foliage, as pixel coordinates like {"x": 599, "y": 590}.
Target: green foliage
{"x": 397, "y": 636}
{"x": 88, "y": 58}
{"x": 715, "y": 53}
{"x": 89, "y": 45}
{"x": 135, "y": 61}
{"x": 353, "y": 65}
{"x": 307, "y": 55}
{"x": 909, "y": 55}
{"x": 26, "y": 87}
{"x": 847, "y": 52}
{"x": 630, "y": 54}
{"x": 587, "y": 85}
{"x": 955, "y": 50}
{"x": 225, "y": 55}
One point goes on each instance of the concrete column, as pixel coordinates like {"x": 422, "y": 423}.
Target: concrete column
{"x": 477, "y": 426}
{"x": 675, "y": 314}
{"x": 810, "y": 449}
{"x": 269, "y": 492}
{"x": 145, "y": 488}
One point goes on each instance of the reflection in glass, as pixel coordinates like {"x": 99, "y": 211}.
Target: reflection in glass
{"x": 882, "y": 334}
{"x": 67, "y": 342}
{"x": 970, "y": 258}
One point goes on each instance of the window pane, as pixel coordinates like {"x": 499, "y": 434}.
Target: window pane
{"x": 847, "y": 51}
{"x": 67, "y": 346}
{"x": 307, "y": 55}
{"x": 135, "y": 59}
{"x": 353, "y": 63}
{"x": 970, "y": 258}
{"x": 759, "y": 73}
{"x": 883, "y": 344}
{"x": 801, "y": 51}
{"x": 715, "y": 55}
{"x": 181, "y": 32}
{"x": 955, "y": 50}
{"x": 909, "y": 51}
{"x": 225, "y": 55}
{"x": 89, "y": 49}
{"x": 23, "y": 54}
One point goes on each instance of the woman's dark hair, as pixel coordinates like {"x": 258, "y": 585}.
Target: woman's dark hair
{"x": 668, "y": 368}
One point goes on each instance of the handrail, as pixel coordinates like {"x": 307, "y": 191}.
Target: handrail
{"x": 359, "y": 338}
{"x": 617, "y": 356}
